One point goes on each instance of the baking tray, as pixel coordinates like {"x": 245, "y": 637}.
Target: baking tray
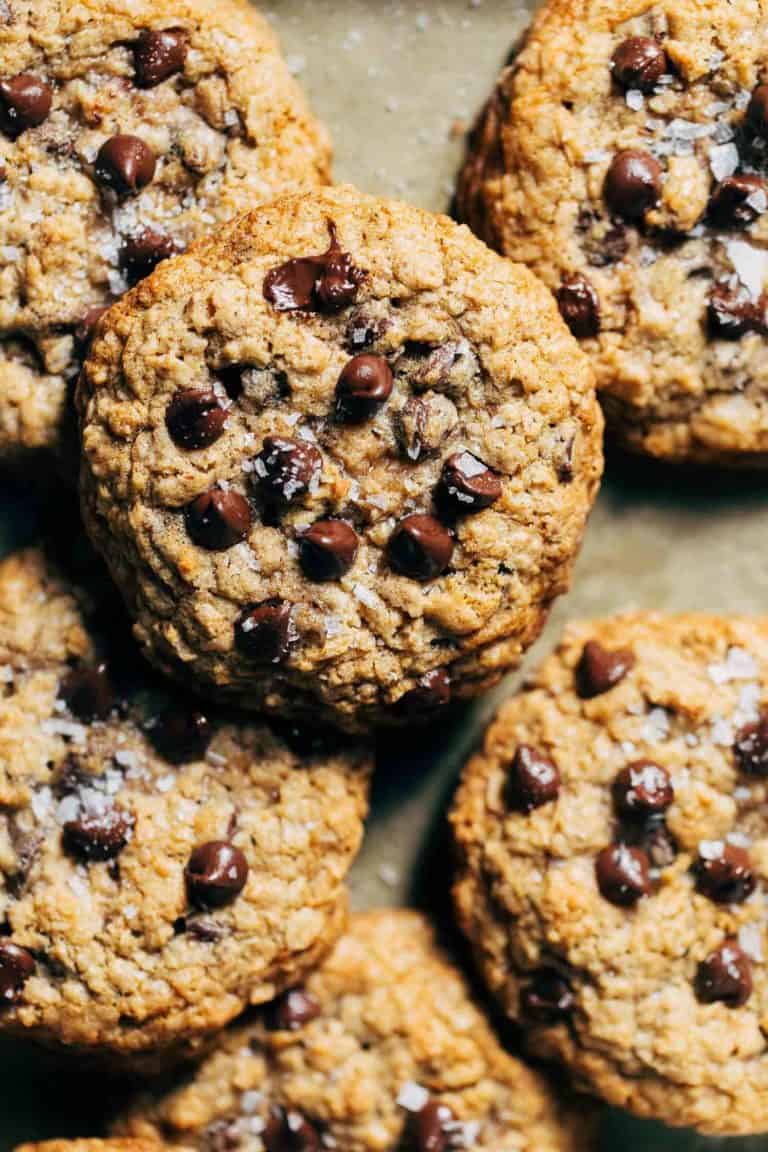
{"x": 397, "y": 84}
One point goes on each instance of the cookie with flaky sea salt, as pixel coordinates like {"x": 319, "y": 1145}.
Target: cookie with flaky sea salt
{"x": 161, "y": 867}
{"x": 127, "y": 130}
{"x": 381, "y": 1049}
{"x": 339, "y": 459}
{"x": 613, "y": 864}
{"x": 623, "y": 156}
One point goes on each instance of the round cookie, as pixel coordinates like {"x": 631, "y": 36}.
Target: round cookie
{"x": 161, "y": 867}
{"x": 128, "y": 129}
{"x": 339, "y": 459}
{"x": 623, "y": 156}
{"x": 613, "y": 863}
{"x": 383, "y": 1048}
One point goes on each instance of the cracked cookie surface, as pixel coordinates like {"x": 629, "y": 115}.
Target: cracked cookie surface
{"x": 127, "y": 130}
{"x": 339, "y": 459}
{"x": 613, "y": 858}
{"x": 161, "y": 867}
{"x": 623, "y": 156}
{"x": 383, "y": 1048}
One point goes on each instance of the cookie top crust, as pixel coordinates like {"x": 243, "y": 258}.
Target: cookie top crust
{"x": 382, "y": 1048}
{"x": 613, "y": 863}
{"x": 127, "y": 130}
{"x": 161, "y": 866}
{"x": 623, "y": 156}
{"x": 339, "y": 459}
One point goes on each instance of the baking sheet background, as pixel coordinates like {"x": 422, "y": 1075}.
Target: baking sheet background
{"x": 395, "y": 82}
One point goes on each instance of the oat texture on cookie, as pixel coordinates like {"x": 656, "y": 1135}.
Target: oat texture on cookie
{"x": 623, "y": 156}
{"x": 127, "y": 130}
{"x": 339, "y": 460}
{"x": 381, "y": 1049}
{"x": 162, "y": 867}
{"x": 613, "y": 859}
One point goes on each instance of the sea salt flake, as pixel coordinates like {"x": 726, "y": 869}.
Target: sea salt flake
{"x": 635, "y": 99}
{"x": 738, "y": 665}
{"x": 250, "y": 1102}
{"x": 750, "y": 265}
{"x": 722, "y": 732}
{"x": 597, "y": 156}
{"x": 711, "y": 849}
{"x": 412, "y": 1096}
{"x": 365, "y": 596}
{"x": 723, "y": 160}
{"x": 750, "y": 941}
{"x": 125, "y": 758}
{"x": 656, "y": 726}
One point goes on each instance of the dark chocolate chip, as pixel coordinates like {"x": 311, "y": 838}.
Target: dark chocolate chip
{"x": 751, "y": 747}
{"x": 579, "y": 306}
{"x": 289, "y": 1131}
{"x": 141, "y": 253}
{"x": 724, "y": 873}
{"x": 757, "y": 111}
{"x": 182, "y": 734}
{"x": 546, "y": 998}
{"x": 328, "y": 549}
{"x": 265, "y": 632}
{"x": 639, "y": 62}
{"x": 731, "y": 313}
{"x": 633, "y": 183}
{"x": 622, "y": 874}
{"x": 286, "y": 469}
{"x": 16, "y": 967}
{"x": 292, "y": 1011}
{"x": 158, "y": 55}
{"x": 125, "y": 164}
{"x": 601, "y": 669}
{"x": 25, "y": 102}
{"x": 324, "y": 283}
{"x": 99, "y": 836}
{"x": 364, "y": 385}
{"x": 88, "y": 693}
{"x": 431, "y": 692}
{"x": 532, "y": 780}
{"x": 195, "y": 418}
{"x": 218, "y": 519}
{"x": 725, "y": 976}
{"x": 467, "y": 485}
{"x": 642, "y": 789}
{"x": 432, "y": 1128}
{"x": 737, "y": 201}
{"x": 420, "y": 547}
{"x": 216, "y": 873}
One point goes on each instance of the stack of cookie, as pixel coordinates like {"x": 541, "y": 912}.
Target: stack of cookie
{"x": 337, "y": 456}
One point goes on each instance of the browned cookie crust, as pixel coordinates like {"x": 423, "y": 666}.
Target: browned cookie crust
{"x": 613, "y": 858}
{"x": 127, "y": 130}
{"x": 161, "y": 867}
{"x": 382, "y": 1049}
{"x": 339, "y": 459}
{"x": 623, "y": 156}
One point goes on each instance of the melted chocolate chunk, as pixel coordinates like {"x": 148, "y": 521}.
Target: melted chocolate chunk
{"x": 751, "y": 747}
{"x": 431, "y": 692}
{"x": 25, "y": 102}
{"x": 286, "y": 469}
{"x": 216, "y": 874}
{"x": 420, "y": 547}
{"x": 289, "y": 1131}
{"x": 218, "y": 519}
{"x": 622, "y": 874}
{"x": 292, "y": 1011}
{"x": 579, "y": 306}
{"x": 325, "y": 283}
{"x": 532, "y": 780}
{"x": 125, "y": 164}
{"x": 467, "y": 485}
{"x": 265, "y": 632}
{"x": 433, "y": 1129}
{"x": 639, "y": 62}
{"x": 731, "y": 313}
{"x": 328, "y": 550}
{"x": 87, "y": 326}
{"x": 195, "y": 418}
{"x": 601, "y": 669}
{"x": 364, "y": 385}
{"x": 546, "y": 998}
{"x": 98, "y": 837}
{"x": 182, "y": 734}
{"x": 737, "y": 201}
{"x": 16, "y": 967}
{"x": 757, "y": 111}
{"x": 642, "y": 789}
{"x": 724, "y": 873}
{"x": 157, "y": 55}
{"x": 88, "y": 693}
{"x": 725, "y": 976}
{"x": 141, "y": 253}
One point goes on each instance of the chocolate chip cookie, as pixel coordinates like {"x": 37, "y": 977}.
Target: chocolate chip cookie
{"x": 382, "y": 1049}
{"x": 161, "y": 867}
{"x": 127, "y": 130}
{"x": 623, "y": 156}
{"x": 339, "y": 459}
{"x": 613, "y": 864}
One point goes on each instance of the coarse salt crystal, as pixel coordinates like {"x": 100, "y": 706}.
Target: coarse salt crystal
{"x": 723, "y": 160}
{"x": 711, "y": 849}
{"x": 750, "y": 265}
{"x": 738, "y": 665}
{"x": 635, "y": 99}
{"x": 412, "y": 1096}
{"x": 750, "y": 940}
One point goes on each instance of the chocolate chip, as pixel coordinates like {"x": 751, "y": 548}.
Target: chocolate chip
{"x": 467, "y": 485}
{"x": 141, "y": 253}
{"x": 532, "y": 780}
{"x": 195, "y": 418}
{"x": 579, "y": 306}
{"x": 639, "y": 62}
{"x": 99, "y": 836}
{"x": 633, "y": 183}
{"x": 431, "y": 692}
{"x": 201, "y": 928}
{"x": 158, "y": 55}
{"x": 16, "y": 967}
{"x": 725, "y": 976}
{"x": 181, "y": 734}
{"x": 757, "y": 111}
{"x": 286, "y": 469}
{"x": 25, "y": 102}
{"x": 218, "y": 519}
{"x": 622, "y": 874}
{"x": 420, "y": 547}
{"x": 292, "y": 1011}
{"x": 325, "y": 283}
{"x": 731, "y": 313}
{"x": 216, "y": 874}
{"x": 432, "y": 1128}
{"x": 601, "y": 669}
{"x": 328, "y": 549}
{"x": 125, "y": 164}
{"x": 265, "y": 632}
{"x": 88, "y": 692}
{"x": 724, "y": 873}
{"x": 366, "y": 325}
{"x": 364, "y": 385}
{"x": 751, "y": 747}
{"x": 609, "y": 249}
{"x": 289, "y": 1131}
{"x": 85, "y": 329}
{"x": 642, "y": 789}
{"x": 546, "y": 998}
{"x": 737, "y": 201}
